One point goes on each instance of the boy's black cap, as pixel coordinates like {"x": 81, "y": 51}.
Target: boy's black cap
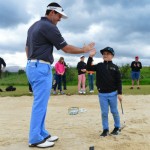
{"x": 82, "y": 56}
{"x": 109, "y": 49}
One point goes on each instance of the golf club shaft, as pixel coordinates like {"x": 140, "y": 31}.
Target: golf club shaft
{"x": 121, "y": 107}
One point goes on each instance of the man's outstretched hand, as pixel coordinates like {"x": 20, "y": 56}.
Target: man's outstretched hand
{"x": 88, "y": 47}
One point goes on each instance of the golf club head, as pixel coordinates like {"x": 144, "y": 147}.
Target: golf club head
{"x": 123, "y": 126}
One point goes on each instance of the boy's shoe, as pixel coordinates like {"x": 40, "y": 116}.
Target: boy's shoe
{"x": 105, "y": 133}
{"x": 42, "y": 145}
{"x": 80, "y": 92}
{"x": 61, "y": 92}
{"x": 52, "y": 139}
{"x": 54, "y": 92}
{"x": 116, "y": 131}
{"x": 92, "y": 91}
{"x": 131, "y": 87}
{"x": 84, "y": 92}
{"x": 138, "y": 87}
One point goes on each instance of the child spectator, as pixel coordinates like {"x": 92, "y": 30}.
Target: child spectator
{"x": 81, "y": 66}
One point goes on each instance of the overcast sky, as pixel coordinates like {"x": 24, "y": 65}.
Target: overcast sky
{"x": 121, "y": 24}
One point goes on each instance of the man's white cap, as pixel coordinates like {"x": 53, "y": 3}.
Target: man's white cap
{"x": 59, "y": 10}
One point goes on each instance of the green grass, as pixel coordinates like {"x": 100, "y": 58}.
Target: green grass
{"x": 23, "y": 90}
{"x": 20, "y": 91}
{"x": 145, "y": 90}
{"x": 145, "y": 81}
{"x": 14, "y": 79}
{"x": 19, "y": 80}
{"x": 72, "y": 77}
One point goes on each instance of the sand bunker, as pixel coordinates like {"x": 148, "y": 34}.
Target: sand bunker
{"x": 76, "y": 132}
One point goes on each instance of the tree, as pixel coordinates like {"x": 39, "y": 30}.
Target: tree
{"x": 125, "y": 71}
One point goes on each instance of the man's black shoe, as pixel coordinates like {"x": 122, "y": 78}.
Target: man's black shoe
{"x": 105, "y": 133}
{"x": 116, "y": 131}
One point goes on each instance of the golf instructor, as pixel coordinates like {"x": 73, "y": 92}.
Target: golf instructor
{"x": 42, "y": 36}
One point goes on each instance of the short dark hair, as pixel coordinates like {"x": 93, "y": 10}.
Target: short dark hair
{"x": 52, "y": 4}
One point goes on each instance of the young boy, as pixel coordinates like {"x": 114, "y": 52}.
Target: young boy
{"x": 109, "y": 85}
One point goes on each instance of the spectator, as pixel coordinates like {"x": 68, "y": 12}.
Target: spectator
{"x": 64, "y": 77}
{"x": 135, "y": 72}
{"x": 2, "y": 63}
{"x": 54, "y": 80}
{"x": 81, "y": 66}
{"x": 91, "y": 80}
{"x": 60, "y": 70}
{"x": 30, "y": 88}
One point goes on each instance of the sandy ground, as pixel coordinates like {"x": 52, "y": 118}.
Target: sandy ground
{"x": 76, "y": 132}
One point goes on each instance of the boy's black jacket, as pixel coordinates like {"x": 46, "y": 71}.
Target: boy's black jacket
{"x": 108, "y": 77}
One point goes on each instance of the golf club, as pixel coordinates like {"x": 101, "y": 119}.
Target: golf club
{"x": 124, "y": 123}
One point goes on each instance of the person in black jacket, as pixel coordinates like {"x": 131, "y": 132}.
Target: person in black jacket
{"x": 135, "y": 73}
{"x": 109, "y": 85}
{"x": 81, "y": 66}
{"x": 2, "y": 62}
{"x": 64, "y": 77}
